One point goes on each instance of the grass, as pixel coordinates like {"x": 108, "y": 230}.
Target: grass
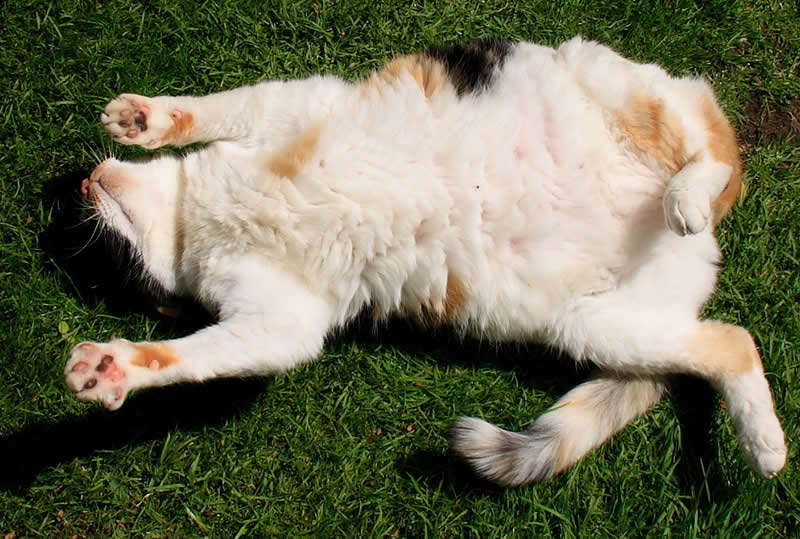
{"x": 354, "y": 444}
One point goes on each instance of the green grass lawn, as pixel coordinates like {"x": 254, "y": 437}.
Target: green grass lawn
{"x": 354, "y": 444}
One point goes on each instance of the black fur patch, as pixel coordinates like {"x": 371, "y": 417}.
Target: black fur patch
{"x": 128, "y": 260}
{"x": 104, "y": 268}
{"x": 472, "y": 67}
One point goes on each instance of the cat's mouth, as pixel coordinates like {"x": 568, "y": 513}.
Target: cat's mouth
{"x": 95, "y": 191}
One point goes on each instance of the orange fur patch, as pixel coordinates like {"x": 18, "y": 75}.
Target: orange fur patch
{"x": 288, "y": 162}
{"x": 455, "y": 296}
{"x": 654, "y": 131}
{"x": 722, "y": 350}
{"x": 429, "y": 75}
{"x": 154, "y": 356}
{"x": 724, "y": 149}
{"x": 442, "y": 310}
{"x": 181, "y": 130}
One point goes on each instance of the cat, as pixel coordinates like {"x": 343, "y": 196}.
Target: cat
{"x": 512, "y": 191}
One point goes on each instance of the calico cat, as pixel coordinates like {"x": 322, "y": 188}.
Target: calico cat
{"x": 512, "y": 191}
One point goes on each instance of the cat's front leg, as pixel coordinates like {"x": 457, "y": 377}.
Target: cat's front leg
{"x": 150, "y": 122}
{"x": 269, "y": 323}
{"x": 268, "y": 113}
{"x": 106, "y": 372}
{"x": 240, "y": 346}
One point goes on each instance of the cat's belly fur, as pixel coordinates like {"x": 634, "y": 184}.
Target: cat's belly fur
{"x": 541, "y": 201}
{"x": 489, "y": 213}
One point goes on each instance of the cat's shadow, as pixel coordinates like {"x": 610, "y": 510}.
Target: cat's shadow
{"x": 86, "y": 271}
{"x": 693, "y": 401}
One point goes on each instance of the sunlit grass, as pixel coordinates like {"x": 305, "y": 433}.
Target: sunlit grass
{"x": 353, "y": 444}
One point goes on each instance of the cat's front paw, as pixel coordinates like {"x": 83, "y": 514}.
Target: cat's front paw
{"x": 143, "y": 121}
{"x": 687, "y": 210}
{"x": 99, "y": 372}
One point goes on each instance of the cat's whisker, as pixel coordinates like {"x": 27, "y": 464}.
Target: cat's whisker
{"x": 89, "y": 149}
{"x": 96, "y": 234}
{"x": 91, "y": 215}
{"x": 81, "y": 222}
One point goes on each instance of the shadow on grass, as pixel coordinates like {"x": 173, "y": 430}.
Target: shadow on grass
{"x": 71, "y": 244}
{"x": 698, "y": 471}
{"x": 535, "y": 366}
{"x": 145, "y": 417}
{"x": 433, "y": 469}
{"x": 95, "y": 277}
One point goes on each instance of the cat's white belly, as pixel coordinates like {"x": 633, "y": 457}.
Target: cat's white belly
{"x": 535, "y": 221}
{"x": 491, "y": 216}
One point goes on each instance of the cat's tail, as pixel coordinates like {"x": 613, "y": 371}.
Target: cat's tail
{"x": 580, "y": 421}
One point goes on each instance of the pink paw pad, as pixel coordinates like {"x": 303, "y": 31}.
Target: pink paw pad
{"x": 94, "y": 374}
{"x": 110, "y": 369}
{"x": 80, "y": 366}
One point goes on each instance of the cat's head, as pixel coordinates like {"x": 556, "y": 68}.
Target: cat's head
{"x": 137, "y": 206}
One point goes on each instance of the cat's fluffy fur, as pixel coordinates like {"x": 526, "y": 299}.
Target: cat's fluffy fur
{"x": 513, "y": 191}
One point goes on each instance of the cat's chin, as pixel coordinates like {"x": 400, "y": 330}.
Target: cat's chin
{"x": 106, "y": 196}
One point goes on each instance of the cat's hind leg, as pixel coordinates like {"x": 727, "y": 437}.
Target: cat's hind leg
{"x": 679, "y": 126}
{"x": 619, "y": 331}
{"x": 710, "y": 179}
{"x": 643, "y": 330}
{"x": 676, "y": 126}
{"x": 592, "y": 412}
{"x": 727, "y": 355}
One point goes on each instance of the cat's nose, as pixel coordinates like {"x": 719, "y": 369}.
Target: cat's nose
{"x": 93, "y": 177}
{"x": 87, "y": 182}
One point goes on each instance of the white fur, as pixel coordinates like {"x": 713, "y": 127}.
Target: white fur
{"x": 760, "y": 435}
{"x": 525, "y": 194}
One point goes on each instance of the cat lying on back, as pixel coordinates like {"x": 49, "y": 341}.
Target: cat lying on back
{"x": 512, "y": 191}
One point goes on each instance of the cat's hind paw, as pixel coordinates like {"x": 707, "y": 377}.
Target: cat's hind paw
{"x": 689, "y": 193}
{"x": 768, "y": 458}
{"x": 687, "y": 210}
{"x": 761, "y": 437}
{"x": 95, "y": 372}
{"x": 135, "y": 119}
